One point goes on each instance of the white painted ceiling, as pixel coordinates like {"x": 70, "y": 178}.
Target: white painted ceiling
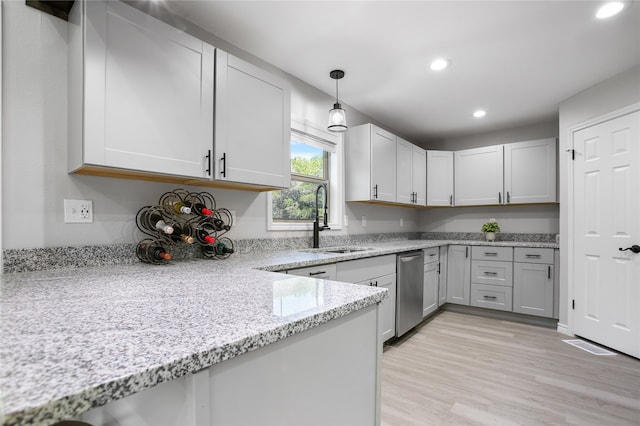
{"x": 516, "y": 59}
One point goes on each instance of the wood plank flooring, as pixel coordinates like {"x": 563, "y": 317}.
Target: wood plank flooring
{"x": 464, "y": 369}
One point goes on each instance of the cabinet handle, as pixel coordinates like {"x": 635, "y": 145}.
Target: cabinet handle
{"x": 311, "y": 274}
{"x": 451, "y": 199}
{"x": 208, "y": 157}
{"x": 494, "y": 274}
{"x": 223, "y": 172}
{"x": 532, "y": 256}
{"x": 438, "y": 268}
{"x": 508, "y": 197}
{"x": 375, "y": 191}
{"x": 549, "y": 272}
{"x": 491, "y": 254}
{"x": 466, "y": 252}
{"x": 490, "y": 297}
{"x": 499, "y": 197}
{"x": 376, "y": 283}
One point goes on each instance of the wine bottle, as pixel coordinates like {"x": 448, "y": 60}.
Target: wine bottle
{"x": 180, "y": 208}
{"x": 158, "y": 223}
{"x": 220, "y": 248}
{"x": 152, "y": 252}
{"x": 203, "y": 236}
{"x": 200, "y": 209}
{"x": 219, "y": 225}
{"x": 181, "y": 234}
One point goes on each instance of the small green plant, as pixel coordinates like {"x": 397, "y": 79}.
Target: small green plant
{"x": 490, "y": 227}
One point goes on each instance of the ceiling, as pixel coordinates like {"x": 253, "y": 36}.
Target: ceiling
{"x": 516, "y": 59}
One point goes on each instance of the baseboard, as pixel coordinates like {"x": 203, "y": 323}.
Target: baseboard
{"x": 564, "y": 329}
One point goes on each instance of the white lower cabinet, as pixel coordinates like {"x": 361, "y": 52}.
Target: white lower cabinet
{"x": 431, "y": 281}
{"x": 278, "y": 384}
{"x": 377, "y": 271}
{"x": 533, "y": 285}
{"x": 458, "y": 274}
{"x": 442, "y": 280}
{"x": 327, "y": 272}
{"x": 492, "y": 280}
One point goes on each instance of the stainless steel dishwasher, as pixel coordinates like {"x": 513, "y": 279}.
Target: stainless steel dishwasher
{"x": 410, "y": 269}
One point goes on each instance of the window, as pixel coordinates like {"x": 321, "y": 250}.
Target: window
{"x": 315, "y": 160}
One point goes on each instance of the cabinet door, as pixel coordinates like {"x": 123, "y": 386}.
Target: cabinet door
{"x": 430, "y": 292}
{"x": 479, "y": 176}
{"x": 419, "y": 172}
{"x": 383, "y": 165}
{"x": 530, "y": 172}
{"x": 148, "y": 94}
{"x": 404, "y": 187}
{"x": 533, "y": 289}
{"x": 387, "y": 310}
{"x": 440, "y": 178}
{"x": 442, "y": 281}
{"x": 253, "y": 124}
{"x": 458, "y": 274}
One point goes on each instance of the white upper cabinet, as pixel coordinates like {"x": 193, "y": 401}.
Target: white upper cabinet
{"x": 440, "y": 178}
{"x": 411, "y": 165}
{"x": 253, "y": 125}
{"x": 141, "y": 93}
{"x": 479, "y": 176}
{"x": 530, "y": 172}
{"x": 370, "y": 164}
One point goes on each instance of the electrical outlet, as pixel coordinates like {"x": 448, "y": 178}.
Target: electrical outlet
{"x": 401, "y": 222}
{"x": 345, "y": 222}
{"x": 78, "y": 211}
{"x": 233, "y": 217}
{"x": 364, "y": 221}
{"x": 492, "y": 220}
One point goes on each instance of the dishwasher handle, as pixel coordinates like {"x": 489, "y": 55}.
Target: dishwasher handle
{"x": 410, "y": 257}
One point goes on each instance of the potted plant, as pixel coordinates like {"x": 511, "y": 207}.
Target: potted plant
{"x": 490, "y": 229}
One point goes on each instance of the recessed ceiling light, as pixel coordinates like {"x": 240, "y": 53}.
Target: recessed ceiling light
{"x": 609, "y": 9}
{"x": 440, "y": 64}
{"x": 479, "y": 113}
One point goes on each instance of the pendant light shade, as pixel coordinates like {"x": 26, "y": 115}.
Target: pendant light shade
{"x": 337, "y": 115}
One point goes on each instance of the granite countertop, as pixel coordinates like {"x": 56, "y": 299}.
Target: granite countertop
{"x": 73, "y": 339}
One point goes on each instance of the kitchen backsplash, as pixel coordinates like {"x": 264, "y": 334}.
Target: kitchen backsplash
{"x": 24, "y": 260}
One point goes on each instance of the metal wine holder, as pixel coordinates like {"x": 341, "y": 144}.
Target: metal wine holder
{"x": 181, "y": 219}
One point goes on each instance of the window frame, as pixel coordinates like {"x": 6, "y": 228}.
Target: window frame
{"x": 332, "y": 143}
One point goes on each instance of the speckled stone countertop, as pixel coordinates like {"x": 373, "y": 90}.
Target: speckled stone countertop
{"x": 73, "y": 339}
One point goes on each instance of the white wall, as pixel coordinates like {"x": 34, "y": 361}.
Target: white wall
{"x": 34, "y": 176}
{"x": 512, "y": 219}
{"x": 617, "y": 92}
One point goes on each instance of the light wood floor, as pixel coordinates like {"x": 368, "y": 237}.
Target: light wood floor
{"x": 464, "y": 369}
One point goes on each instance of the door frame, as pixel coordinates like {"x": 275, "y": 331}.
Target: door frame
{"x": 571, "y": 202}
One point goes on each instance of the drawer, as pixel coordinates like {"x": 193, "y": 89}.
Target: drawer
{"x": 491, "y": 272}
{"x": 534, "y": 255}
{"x": 504, "y": 254}
{"x": 491, "y": 296}
{"x": 327, "y": 272}
{"x": 354, "y": 271}
{"x": 431, "y": 254}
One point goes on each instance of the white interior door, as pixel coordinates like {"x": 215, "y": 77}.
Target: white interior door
{"x": 606, "y": 218}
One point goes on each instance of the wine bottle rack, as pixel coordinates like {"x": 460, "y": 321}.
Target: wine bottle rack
{"x": 180, "y": 219}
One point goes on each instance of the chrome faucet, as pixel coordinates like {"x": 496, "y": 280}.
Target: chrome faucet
{"x": 316, "y": 225}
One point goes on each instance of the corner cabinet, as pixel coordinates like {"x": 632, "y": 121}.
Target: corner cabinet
{"x": 479, "y": 176}
{"x": 141, "y": 93}
{"x": 530, "y": 172}
{"x": 253, "y": 125}
{"x": 440, "y": 178}
{"x": 370, "y": 164}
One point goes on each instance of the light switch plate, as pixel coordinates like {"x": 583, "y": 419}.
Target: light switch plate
{"x": 78, "y": 211}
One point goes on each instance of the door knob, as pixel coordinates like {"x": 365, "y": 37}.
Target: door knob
{"x": 634, "y": 248}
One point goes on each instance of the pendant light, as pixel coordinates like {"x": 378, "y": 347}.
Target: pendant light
{"x": 337, "y": 116}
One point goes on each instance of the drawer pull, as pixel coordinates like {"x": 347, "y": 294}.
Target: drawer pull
{"x": 490, "y": 254}
{"x": 432, "y": 255}
{"x": 311, "y": 274}
{"x": 532, "y": 256}
{"x": 548, "y": 272}
{"x": 491, "y": 273}
{"x": 490, "y": 297}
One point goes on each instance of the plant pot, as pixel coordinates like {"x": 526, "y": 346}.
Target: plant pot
{"x": 490, "y": 236}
